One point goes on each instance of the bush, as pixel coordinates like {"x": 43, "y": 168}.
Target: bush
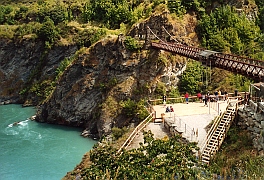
{"x": 26, "y": 29}
{"x": 161, "y": 88}
{"x": 89, "y": 36}
{"x": 131, "y": 44}
{"x": 48, "y": 31}
{"x": 118, "y": 132}
{"x": 135, "y": 109}
{"x": 129, "y": 107}
{"x": 155, "y": 159}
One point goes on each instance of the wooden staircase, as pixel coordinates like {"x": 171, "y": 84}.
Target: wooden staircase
{"x": 217, "y": 132}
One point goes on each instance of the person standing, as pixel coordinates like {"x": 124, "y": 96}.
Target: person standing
{"x": 236, "y": 93}
{"x": 206, "y": 100}
{"x": 164, "y": 99}
{"x": 226, "y": 95}
{"x": 186, "y": 96}
{"x": 219, "y": 94}
{"x": 203, "y": 97}
{"x": 199, "y": 96}
{"x": 216, "y": 95}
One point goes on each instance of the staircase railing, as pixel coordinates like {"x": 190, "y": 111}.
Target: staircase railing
{"x": 211, "y": 131}
{"x": 225, "y": 127}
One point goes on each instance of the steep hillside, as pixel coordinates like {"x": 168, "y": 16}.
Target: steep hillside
{"x": 92, "y": 90}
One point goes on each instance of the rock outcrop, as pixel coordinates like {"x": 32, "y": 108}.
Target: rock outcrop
{"x": 251, "y": 118}
{"x": 23, "y": 62}
{"x": 90, "y": 91}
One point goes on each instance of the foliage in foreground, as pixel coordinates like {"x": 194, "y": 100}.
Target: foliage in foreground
{"x": 156, "y": 159}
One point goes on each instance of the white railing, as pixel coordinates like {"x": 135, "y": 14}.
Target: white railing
{"x": 132, "y": 136}
{"x": 211, "y": 132}
{"x": 181, "y": 127}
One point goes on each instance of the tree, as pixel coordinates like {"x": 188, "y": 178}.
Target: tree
{"x": 226, "y": 31}
{"x": 191, "y": 80}
{"x": 109, "y": 12}
{"x": 175, "y": 6}
{"x": 48, "y": 31}
{"x": 155, "y": 159}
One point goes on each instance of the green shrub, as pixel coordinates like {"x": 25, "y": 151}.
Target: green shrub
{"x": 118, "y": 132}
{"x": 63, "y": 65}
{"x": 176, "y": 6}
{"x": 21, "y": 13}
{"x": 89, "y": 36}
{"x": 161, "y": 88}
{"x": 162, "y": 59}
{"x": 48, "y": 31}
{"x": 134, "y": 109}
{"x": 131, "y": 44}
{"x": 27, "y": 29}
{"x": 129, "y": 107}
{"x": 155, "y": 159}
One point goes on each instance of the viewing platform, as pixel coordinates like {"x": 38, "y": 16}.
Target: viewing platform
{"x": 190, "y": 119}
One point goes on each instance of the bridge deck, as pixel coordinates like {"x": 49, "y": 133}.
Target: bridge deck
{"x": 237, "y": 64}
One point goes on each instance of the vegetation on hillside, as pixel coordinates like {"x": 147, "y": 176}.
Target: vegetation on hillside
{"x": 155, "y": 159}
{"x": 229, "y": 164}
{"x": 84, "y": 22}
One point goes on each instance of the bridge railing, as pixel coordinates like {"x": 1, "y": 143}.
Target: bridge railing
{"x": 137, "y": 130}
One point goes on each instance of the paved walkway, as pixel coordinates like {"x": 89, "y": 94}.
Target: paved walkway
{"x": 193, "y": 115}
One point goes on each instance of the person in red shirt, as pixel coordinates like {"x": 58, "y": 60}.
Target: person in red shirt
{"x": 186, "y": 97}
{"x": 171, "y": 109}
{"x": 199, "y": 96}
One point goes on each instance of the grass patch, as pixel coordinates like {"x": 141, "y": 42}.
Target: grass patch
{"x": 237, "y": 158}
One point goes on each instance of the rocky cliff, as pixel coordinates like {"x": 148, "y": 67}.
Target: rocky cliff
{"x": 25, "y": 62}
{"x": 251, "y": 118}
{"x": 91, "y": 89}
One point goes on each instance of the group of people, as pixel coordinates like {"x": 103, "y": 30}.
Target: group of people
{"x": 203, "y": 98}
{"x": 169, "y": 109}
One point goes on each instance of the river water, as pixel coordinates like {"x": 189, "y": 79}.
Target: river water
{"x": 37, "y": 151}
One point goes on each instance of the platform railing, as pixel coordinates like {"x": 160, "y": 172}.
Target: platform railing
{"x": 186, "y": 131}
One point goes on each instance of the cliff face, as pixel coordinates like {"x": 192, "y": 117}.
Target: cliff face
{"x": 89, "y": 92}
{"x": 26, "y": 61}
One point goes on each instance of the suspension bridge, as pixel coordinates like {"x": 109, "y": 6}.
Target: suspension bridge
{"x": 248, "y": 67}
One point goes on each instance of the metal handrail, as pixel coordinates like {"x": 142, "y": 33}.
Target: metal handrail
{"x": 187, "y": 129}
{"x": 211, "y": 131}
{"x": 215, "y": 125}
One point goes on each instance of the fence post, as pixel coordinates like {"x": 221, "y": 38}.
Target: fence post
{"x": 218, "y": 108}
{"x": 209, "y": 106}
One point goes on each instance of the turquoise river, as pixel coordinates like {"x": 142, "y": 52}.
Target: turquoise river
{"x": 37, "y": 151}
